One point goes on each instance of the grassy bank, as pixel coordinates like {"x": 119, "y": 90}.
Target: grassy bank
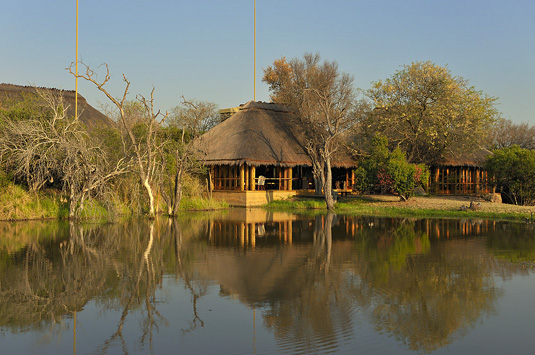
{"x": 421, "y": 207}
{"x": 17, "y": 204}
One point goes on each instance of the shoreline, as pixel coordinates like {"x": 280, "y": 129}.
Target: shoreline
{"x": 418, "y": 206}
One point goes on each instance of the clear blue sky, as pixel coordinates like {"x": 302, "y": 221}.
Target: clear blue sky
{"x": 203, "y": 49}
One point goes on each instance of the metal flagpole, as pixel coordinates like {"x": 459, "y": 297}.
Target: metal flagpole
{"x": 254, "y": 76}
{"x": 76, "y": 76}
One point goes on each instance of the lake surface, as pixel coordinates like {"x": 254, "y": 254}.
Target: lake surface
{"x": 257, "y": 282}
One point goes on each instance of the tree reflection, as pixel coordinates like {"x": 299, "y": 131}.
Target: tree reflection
{"x": 311, "y": 287}
{"x": 43, "y": 282}
{"x": 184, "y": 267}
{"x": 516, "y": 245}
{"x": 423, "y": 295}
{"x": 114, "y": 264}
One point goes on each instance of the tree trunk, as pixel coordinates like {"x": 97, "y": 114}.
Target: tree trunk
{"x": 328, "y": 187}
{"x": 151, "y": 197}
{"x": 319, "y": 178}
{"x": 178, "y": 191}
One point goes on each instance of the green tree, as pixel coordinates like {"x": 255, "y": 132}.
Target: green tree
{"x": 325, "y": 102}
{"x": 180, "y": 152}
{"x": 513, "y": 169}
{"x": 427, "y": 111}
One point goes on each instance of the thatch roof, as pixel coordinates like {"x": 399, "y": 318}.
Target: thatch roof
{"x": 90, "y": 116}
{"x": 473, "y": 159}
{"x": 260, "y": 134}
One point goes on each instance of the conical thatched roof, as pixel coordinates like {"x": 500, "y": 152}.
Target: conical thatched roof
{"x": 259, "y": 134}
{"x": 91, "y": 117}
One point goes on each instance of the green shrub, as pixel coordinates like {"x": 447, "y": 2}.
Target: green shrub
{"x": 513, "y": 169}
{"x": 389, "y": 172}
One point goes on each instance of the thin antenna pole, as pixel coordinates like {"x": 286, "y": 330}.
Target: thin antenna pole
{"x": 254, "y": 76}
{"x": 76, "y": 76}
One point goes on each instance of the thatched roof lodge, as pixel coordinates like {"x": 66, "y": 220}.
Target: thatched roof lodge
{"x": 461, "y": 174}
{"x": 11, "y": 94}
{"x": 260, "y": 148}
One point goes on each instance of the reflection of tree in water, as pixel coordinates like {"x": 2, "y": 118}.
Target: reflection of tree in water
{"x": 387, "y": 250}
{"x": 120, "y": 266}
{"x": 135, "y": 292}
{"x": 516, "y": 245}
{"x": 185, "y": 258}
{"x": 114, "y": 264}
{"x": 424, "y": 299}
{"x": 318, "y": 315}
{"x": 45, "y": 281}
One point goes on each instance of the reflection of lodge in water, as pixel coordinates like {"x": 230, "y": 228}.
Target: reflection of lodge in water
{"x": 444, "y": 228}
{"x": 245, "y": 228}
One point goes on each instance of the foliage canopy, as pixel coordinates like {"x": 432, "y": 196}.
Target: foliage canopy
{"x": 513, "y": 169}
{"x": 427, "y": 111}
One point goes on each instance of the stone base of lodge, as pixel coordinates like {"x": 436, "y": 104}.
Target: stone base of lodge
{"x": 252, "y": 198}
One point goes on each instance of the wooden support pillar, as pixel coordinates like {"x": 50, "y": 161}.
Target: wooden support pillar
{"x": 435, "y": 180}
{"x": 211, "y": 177}
{"x": 448, "y": 181}
{"x": 236, "y": 177}
{"x": 252, "y": 175}
{"x": 230, "y": 181}
{"x": 290, "y": 177}
{"x": 246, "y": 181}
{"x": 242, "y": 177}
{"x": 476, "y": 170}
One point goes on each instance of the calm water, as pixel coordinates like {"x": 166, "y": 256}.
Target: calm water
{"x": 252, "y": 282}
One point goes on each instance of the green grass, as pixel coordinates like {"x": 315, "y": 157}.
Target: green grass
{"x": 366, "y": 208}
{"x": 297, "y": 203}
{"x": 201, "y": 204}
{"x": 18, "y": 204}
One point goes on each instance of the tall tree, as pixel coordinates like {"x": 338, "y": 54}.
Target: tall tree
{"x": 180, "y": 152}
{"x": 325, "y": 101}
{"x": 427, "y": 111}
{"x": 145, "y": 147}
{"x": 505, "y": 134}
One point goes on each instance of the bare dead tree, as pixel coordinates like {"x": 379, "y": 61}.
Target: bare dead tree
{"x": 145, "y": 149}
{"x": 505, "y": 133}
{"x": 57, "y": 147}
